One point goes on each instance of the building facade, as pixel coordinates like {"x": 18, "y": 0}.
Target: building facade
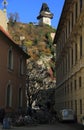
{"x": 3, "y": 19}
{"x": 69, "y": 42}
{"x": 12, "y": 73}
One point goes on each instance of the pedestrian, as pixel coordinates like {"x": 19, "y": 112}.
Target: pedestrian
{"x": 2, "y": 114}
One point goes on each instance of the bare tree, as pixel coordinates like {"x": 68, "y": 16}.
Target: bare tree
{"x": 16, "y": 17}
{"x": 13, "y": 17}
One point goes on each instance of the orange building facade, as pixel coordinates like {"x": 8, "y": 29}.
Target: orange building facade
{"x": 12, "y": 73}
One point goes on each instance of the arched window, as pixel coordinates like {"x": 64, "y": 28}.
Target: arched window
{"x": 9, "y": 96}
{"x": 21, "y": 68}
{"x": 10, "y": 59}
{"x": 20, "y": 97}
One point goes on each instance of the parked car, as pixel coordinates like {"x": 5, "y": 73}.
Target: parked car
{"x": 66, "y": 115}
{"x": 36, "y": 108}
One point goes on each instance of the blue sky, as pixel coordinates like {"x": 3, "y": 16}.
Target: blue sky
{"x": 28, "y": 10}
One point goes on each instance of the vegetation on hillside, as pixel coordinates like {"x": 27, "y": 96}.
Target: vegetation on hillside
{"x": 33, "y": 33}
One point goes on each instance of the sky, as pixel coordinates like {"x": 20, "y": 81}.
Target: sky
{"x": 28, "y": 10}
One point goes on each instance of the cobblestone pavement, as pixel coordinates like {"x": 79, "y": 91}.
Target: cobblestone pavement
{"x": 57, "y": 126}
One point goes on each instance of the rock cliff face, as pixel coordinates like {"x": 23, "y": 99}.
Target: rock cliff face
{"x": 41, "y": 80}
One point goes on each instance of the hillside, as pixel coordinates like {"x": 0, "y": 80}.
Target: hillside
{"x": 41, "y": 64}
{"x": 29, "y": 31}
{"x": 36, "y": 38}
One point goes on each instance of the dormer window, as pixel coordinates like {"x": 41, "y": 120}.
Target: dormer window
{"x": 10, "y": 58}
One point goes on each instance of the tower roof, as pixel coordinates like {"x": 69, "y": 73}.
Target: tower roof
{"x": 44, "y": 8}
{"x": 45, "y": 12}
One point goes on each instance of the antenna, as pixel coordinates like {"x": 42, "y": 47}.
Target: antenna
{"x": 4, "y": 3}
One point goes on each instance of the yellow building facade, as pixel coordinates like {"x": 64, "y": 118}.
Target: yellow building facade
{"x": 3, "y": 19}
{"x": 69, "y": 40}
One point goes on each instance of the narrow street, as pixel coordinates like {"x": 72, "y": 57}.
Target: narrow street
{"x": 57, "y": 126}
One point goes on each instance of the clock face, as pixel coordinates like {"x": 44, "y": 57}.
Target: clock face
{"x": 47, "y": 21}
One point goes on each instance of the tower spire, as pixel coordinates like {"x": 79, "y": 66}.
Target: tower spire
{"x": 4, "y": 3}
{"x": 3, "y": 15}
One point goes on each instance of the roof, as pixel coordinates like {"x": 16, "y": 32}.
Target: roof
{"x": 44, "y": 7}
{"x": 45, "y": 14}
{"x": 7, "y": 35}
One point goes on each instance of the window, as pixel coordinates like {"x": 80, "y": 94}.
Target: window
{"x": 10, "y": 59}
{"x": 69, "y": 27}
{"x": 66, "y": 63}
{"x": 72, "y": 56}
{"x": 68, "y": 59}
{"x": 65, "y": 104}
{"x": 21, "y": 66}
{"x": 80, "y": 81}
{"x": 80, "y": 106}
{"x": 20, "y": 97}
{"x": 66, "y": 32}
{"x": 81, "y": 2}
{"x": 68, "y": 104}
{"x": 8, "y": 96}
{"x": 75, "y": 84}
{"x": 63, "y": 66}
{"x": 68, "y": 88}
{"x": 71, "y": 86}
{"x": 65, "y": 89}
{"x": 80, "y": 46}
{"x": 76, "y": 106}
{"x": 75, "y": 52}
{"x": 76, "y": 9}
{"x": 72, "y": 20}
{"x": 71, "y": 104}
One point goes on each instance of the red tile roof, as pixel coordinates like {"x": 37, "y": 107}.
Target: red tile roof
{"x": 5, "y": 32}
{"x": 12, "y": 42}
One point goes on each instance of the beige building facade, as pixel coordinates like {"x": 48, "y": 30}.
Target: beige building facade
{"x": 69, "y": 40}
{"x": 3, "y": 19}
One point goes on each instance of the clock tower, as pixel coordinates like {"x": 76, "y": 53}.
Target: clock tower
{"x": 45, "y": 15}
